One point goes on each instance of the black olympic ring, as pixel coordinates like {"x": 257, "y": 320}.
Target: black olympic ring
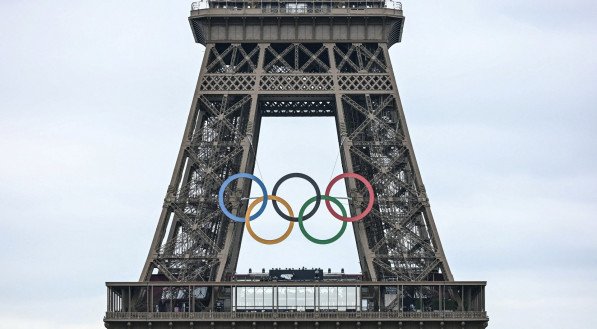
{"x": 308, "y": 179}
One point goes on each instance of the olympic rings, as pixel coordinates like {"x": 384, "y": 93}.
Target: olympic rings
{"x": 223, "y": 188}
{"x": 260, "y": 239}
{"x": 369, "y": 205}
{"x": 308, "y": 179}
{"x": 304, "y": 231}
{"x": 301, "y": 217}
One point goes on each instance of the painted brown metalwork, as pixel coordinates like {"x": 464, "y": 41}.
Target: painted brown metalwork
{"x": 289, "y": 58}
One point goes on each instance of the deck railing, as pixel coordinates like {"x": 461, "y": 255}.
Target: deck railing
{"x": 296, "y": 7}
{"x": 292, "y": 315}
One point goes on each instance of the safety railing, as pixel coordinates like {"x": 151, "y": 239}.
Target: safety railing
{"x": 297, "y": 7}
{"x": 478, "y": 315}
{"x": 314, "y": 10}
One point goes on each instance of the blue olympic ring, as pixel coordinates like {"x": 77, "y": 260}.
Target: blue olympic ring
{"x": 223, "y": 188}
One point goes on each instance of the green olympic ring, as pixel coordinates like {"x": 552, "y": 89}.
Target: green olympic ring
{"x": 309, "y": 236}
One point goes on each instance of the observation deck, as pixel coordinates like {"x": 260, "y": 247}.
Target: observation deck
{"x": 298, "y": 304}
{"x": 297, "y": 21}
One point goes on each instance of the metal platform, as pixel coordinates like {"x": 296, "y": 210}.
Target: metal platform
{"x": 304, "y": 304}
{"x": 302, "y": 21}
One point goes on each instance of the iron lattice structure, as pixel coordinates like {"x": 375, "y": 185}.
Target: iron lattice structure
{"x": 308, "y": 59}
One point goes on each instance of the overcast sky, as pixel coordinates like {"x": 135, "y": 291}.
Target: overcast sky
{"x": 500, "y": 99}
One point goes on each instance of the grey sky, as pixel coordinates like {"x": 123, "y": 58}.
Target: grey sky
{"x": 500, "y": 100}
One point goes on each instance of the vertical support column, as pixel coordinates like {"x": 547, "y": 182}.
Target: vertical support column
{"x": 233, "y": 298}
{"x": 212, "y": 298}
{"x": 317, "y": 297}
{"x": 421, "y": 308}
{"x": 366, "y": 255}
{"x": 228, "y": 257}
{"x": 461, "y": 306}
{"x": 176, "y": 175}
{"x": 150, "y": 298}
{"x": 430, "y": 222}
{"x": 401, "y": 298}
{"x": 192, "y": 302}
{"x": 357, "y": 298}
{"x": 440, "y": 290}
{"x": 483, "y": 298}
{"x": 277, "y": 298}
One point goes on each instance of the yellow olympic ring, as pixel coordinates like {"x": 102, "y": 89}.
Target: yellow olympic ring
{"x": 248, "y": 220}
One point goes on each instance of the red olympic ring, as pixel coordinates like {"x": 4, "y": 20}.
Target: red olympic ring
{"x": 369, "y": 205}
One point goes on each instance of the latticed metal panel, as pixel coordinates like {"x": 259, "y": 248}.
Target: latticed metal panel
{"x": 365, "y": 82}
{"x": 297, "y": 82}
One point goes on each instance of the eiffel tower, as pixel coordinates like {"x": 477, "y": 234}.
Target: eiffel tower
{"x": 283, "y": 59}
